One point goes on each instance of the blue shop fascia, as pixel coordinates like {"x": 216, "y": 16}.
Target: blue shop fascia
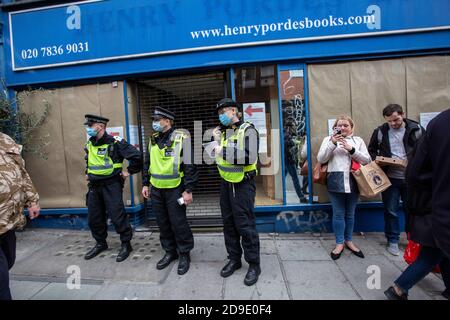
{"x": 300, "y": 61}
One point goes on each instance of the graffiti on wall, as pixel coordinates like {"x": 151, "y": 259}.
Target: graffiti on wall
{"x": 304, "y": 221}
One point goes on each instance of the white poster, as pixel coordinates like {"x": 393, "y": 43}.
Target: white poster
{"x": 113, "y": 131}
{"x": 134, "y": 135}
{"x": 256, "y": 113}
{"x": 426, "y": 117}
{"x": 330, "y": 126}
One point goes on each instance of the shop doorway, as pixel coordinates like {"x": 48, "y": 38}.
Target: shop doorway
{"x": 192, "y": 98}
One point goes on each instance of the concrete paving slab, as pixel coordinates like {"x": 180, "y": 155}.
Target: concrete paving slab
{"x": 358, "y": 271}
{"x": 128, "y": 291}
{"x": 270, "y": 285}
{"x": 35, "y": 240}
{"x": 209, "y": 249}
{"x": 432, "y": 284}
{"x": 25, "y": 290}
{"x": 318, "y": 280}
{"x": 268, "y": 246}
{"x": 55, "y": 259}
{"x": 301, "y": 250}
{"x": 59, "y": 291}
{"x": 201, "y": 282}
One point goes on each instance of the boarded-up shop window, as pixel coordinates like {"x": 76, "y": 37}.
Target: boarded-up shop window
{"x": 362, "y": 89}
{"x": 60, "y": 179}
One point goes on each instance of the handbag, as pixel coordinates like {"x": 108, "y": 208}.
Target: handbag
{"x": 320, "y": 173}
{"x": 412, "y": 251}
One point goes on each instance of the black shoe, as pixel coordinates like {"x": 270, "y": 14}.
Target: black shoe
{"x": 166, "y": 260}
{"x": 96, "y": 250}
{"x": 446, "y": 294}
{"x": 356, "y": 253}
{"x": 230, "y": 267}
{"x": 336, "y": 256}
{"x": 184, "y": 263}
{"x": 252, "y": 274}
{"x": 124, "y": 252}
{"x": 392, "y": 295}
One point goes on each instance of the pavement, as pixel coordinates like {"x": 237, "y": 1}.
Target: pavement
{"x": 50, "y": 266}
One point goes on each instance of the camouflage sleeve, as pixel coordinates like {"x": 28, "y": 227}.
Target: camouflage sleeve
{"x": 31, "y": 195}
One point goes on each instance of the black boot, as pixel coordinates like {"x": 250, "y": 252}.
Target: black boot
{"x": 124, "y": 251}
{"x": 230, "y": 267}
{"x": 254, "y": 270}
{"x": 184, "y": 263}
{"x": 166, "y": 260}
{"x": 96, "y": 250}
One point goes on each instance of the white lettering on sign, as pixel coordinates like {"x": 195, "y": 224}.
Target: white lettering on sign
{"x": 375, "y": 22}
{"x": 74, "y": 20}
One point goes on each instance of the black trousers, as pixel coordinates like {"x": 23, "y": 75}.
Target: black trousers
{"x": 7, "y": 259}
{"x": 175, "y": 232}
{"x": 237, "y": 201}
{"x": 103, "y": 201}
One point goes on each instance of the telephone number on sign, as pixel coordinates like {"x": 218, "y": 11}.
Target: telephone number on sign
{"x": 51, "y": 51}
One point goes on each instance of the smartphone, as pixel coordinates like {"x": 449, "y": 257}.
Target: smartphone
{"x": 180, "y": 201}
{"x": 337, "y": 131}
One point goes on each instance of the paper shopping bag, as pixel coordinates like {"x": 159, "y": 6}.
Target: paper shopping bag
{"x": 371, "y": 180}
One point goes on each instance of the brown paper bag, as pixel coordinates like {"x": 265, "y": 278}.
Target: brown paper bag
{"x": 371, "y": 180}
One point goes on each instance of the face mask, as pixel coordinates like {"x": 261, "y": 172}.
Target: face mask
{"x": 157, "y": 126}
{"x": 91, "y": 132}
{"x": 224, "y": 119}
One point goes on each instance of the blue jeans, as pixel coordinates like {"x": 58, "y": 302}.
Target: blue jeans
{"x": 426, "y": 261}
{"x": 391, "y": 200}
{"x": 344, "y": 205}
{"x": 292, "y": 170}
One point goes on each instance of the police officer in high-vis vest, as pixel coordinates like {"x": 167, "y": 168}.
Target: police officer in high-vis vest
{"x": 236, "y": 152}
{"x": 169, "y": 179}
{"x": 106, "y": 176}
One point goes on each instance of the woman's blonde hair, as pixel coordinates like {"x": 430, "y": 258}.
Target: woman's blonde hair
{"x": 346, "y": 118}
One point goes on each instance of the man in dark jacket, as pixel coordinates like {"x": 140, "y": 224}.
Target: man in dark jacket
{"x": 428, "y": 174}
{"x": 394, "y": 139}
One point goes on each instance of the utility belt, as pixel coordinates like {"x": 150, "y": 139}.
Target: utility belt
{"x": 250, "y": 175}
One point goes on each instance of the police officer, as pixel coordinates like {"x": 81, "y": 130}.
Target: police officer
{"x": 236, "y": 152}
{"x": 12, "y": 202}
{"x": 104, "y": 159}
{"x": 169, "y": 178}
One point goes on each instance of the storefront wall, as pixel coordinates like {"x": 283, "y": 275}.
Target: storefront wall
{"x": 331, "y": 86}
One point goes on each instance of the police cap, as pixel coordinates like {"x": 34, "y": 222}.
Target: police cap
{"x": 163, "y": 113}
{"x": 226, "y": 102}
{"x": 92, "y": 118}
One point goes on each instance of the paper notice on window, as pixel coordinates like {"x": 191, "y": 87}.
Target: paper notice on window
{"x": 134, "y": 135}
{"x": 112, "y": 131}
{"x": 256, "y": 113}
{"x": 330, "y": 126}
{"x": 426, "y": 117}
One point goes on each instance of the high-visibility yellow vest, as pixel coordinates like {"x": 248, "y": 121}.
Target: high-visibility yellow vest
{"x": 230, "y": 172}
{"x": 165, "y": 163}
{"x": 99, "y": 160}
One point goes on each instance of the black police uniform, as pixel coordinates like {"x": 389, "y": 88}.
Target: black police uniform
{"x": 105, "y": 192}
{"x": 175, "y": 233}
{"x": 237, "y": 202}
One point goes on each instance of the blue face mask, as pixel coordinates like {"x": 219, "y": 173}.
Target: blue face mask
{"x": 224, "y": 119}
{"x": 157, "y": 126}
{"x": 91, "y": 132}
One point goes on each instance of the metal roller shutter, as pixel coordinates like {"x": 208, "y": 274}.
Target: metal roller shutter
{"x": 191, "y": 98}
